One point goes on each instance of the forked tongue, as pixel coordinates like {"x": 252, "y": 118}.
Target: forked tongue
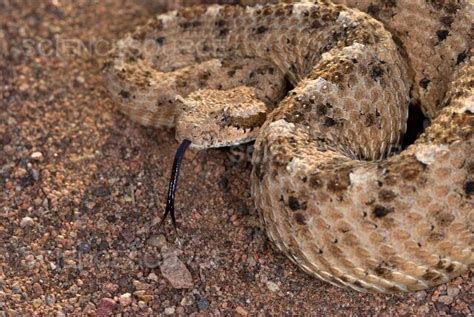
{"x": 178, "y": 159}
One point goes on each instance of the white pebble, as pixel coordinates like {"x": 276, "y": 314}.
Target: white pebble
{"x": 153, "y": 277}
{"x": 170, "y": 311}
{"x": 273, "y": 287}
{"x": 125, "y": 299}
{"x": 37, "y": 156}
{"x": 26, "y": 222}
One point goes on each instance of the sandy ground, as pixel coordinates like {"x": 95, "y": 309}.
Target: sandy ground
{"x": 82, "y": 189}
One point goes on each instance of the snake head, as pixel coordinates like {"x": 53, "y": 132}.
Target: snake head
{"x": 219, "y": 118}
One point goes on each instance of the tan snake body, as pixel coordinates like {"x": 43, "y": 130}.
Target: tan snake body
{"x": 329, "y": 196}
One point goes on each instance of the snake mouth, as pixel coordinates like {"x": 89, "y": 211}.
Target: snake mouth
{"x": 201, "y": 139}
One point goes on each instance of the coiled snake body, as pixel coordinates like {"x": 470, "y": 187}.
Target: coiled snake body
{"x": 332, "y": 195}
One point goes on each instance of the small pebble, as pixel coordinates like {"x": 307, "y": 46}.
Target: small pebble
{"x": 106, "y": 307}
{"x": 55, "y": 29}
{"x": 128, "y": 235}
{"x": 273, "y": 287}
{"x": 142, "y": 296}
{"x": 111, "y": 287}
{"x": 420, "y": 296}
{"x": 80, "y": 79}
{"x": 203, "y": 304}
{"x": 37, "y": 289}
{"x": 103, "y": 245}
{"x": 441, "y": 307}
{"x": 170, "y": 310}
{"x": 37, "y": 156}
{"x": 176, "y": 272}
{"x": 251, "y": 261}
{"x": 24, "y": 87}
{"x": 73, "y": 290}
{"x": 50, "y": 299}
{"x": 125, "y": 299}
{"x": 140, "y": 286}
{"x": 16, "y": 289}
{"x": 153, "y": 277}
{"x": 37, "y": 302}
{"x": 101, "y": 191}
{"x": 12, "y": 121}
{"x": 241, "y": 311}
{"x": 158, "y": 241}
{"x": 453, "y": 291}
{"x": 187, "y": 301}
{"x": 20, "y": 172}
{"x": 26, "y": 222}
{"x": 35, "y": 174}
{"x": 151, "y": 261}
{"x": 295, "y": 287}
{"x": 84, "y": 247}
{"x": 445, "y": 299}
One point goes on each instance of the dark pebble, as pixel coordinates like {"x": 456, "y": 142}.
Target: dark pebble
{"x": 84, "y": 247}
{"x": 27, "y": 181}
{"x": 441, "y": 307}
{"x": 247, "y": 276}
{"x": 224, "y": 184}
{"x": 243, "y": 209}
{"x": 203, "y": 304}
{"x": 295, "y": 287}
{"x": 103, "y": 245}
{"x": 101, "y": 191}
{"x": 151, "y": 261}
{"x": 5, "y": 139}
{"x": 35, "y": 175}
{"x": 128, "y": 235}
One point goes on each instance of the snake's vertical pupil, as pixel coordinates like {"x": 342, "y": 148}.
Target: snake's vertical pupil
{"x": 178, "y": 159}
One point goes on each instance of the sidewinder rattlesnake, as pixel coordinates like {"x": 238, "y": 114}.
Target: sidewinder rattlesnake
{"x": 325, "y": 90}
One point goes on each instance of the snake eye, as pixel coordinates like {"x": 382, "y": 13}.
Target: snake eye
{"x": 225, "y": 119}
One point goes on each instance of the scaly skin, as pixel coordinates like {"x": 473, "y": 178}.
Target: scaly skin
{"x": 328, "y": 197}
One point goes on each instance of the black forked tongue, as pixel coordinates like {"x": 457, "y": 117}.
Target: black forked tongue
{"x": 178, "y": 159}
